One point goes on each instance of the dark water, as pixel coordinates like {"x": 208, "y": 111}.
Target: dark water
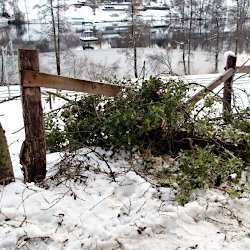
{"x": 203, "y": 35}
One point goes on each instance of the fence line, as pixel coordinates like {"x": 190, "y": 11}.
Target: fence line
{"x": 203, "y": 80}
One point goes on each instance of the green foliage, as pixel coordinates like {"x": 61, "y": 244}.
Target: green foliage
{"x": 55, "y": 138}
{"x": 205, "y": 168}
{"x": 155, "y": 116}
{"x": 122, "y": 123}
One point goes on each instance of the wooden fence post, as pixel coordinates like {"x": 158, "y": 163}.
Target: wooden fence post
{"x": 33, "y": 152}
{"x": 227, "y": 94}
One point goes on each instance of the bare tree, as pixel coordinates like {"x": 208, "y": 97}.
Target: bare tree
{"x": 9, "y": 8}
{"x": 55, "y": 26}
{"x": 3, "y": 10}
{"x": 55, "y": 18}
{"x": 95, "y": 71}
{"x": 161, "y": 63}
{"x": 217, "y": 12}
{"x": 190, "y": 29}
{"x": 180, "y": 6}
{"x": 94, "y": 5}
{"x": 134, "y": 36}
{"x": 241, "y": 12}
{"x": 200, "y": 23}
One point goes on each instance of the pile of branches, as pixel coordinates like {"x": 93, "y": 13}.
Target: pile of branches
{"x": 156, "y": 117}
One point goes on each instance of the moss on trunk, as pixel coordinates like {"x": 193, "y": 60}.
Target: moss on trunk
{"x": 6, "y": 169}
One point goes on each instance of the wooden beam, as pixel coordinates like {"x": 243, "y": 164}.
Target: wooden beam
{"x": 38, "y": 79}
{"x": 33, "y": 151}
{"x": 243, "y": 69}
{"x": 214, "y": 84}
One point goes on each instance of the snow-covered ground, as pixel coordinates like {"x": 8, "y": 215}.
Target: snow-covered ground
{"x": 31, "y": 13}
{"x": 129, "y": 213}
{"x": 93, "y": 210}
{"x": 201, "y": 62}
{"x": 86, "y": 12}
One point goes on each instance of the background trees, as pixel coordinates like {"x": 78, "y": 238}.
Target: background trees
{"x": 240, "y": 13}
{"x": 188, "y": 13}
{"x": 55, "y": 25}
{"x": 136, "y": 35}
{"x": 212, "y": 25}
{"x": 217, "y": 14}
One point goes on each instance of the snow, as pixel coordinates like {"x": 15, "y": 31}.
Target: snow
{"x": 96, "y": 212}
{"x": 31, "y": 13}
{"x": 229, "y": 53}
{"x": 86, "y": 12}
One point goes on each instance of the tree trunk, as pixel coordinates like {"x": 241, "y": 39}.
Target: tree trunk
{"x": 134, "y": 41}
{"x": 2, "y": 73}
{"x": 58, "y": 40}
{"x": 189, "y": 37}
{"x": 217, "y": 45}
{"x": 237, "y": 30}
{"x": 135, "y": 61}
{"x": 6, "y": 169}
{"x": 184, "y": 45}
{"x": 55, "y": 35}
{"x": 184, "y": 59}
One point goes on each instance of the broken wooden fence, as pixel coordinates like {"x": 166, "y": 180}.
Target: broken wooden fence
{"x": 227, "y": 79}
{"x": 33, "y": 151}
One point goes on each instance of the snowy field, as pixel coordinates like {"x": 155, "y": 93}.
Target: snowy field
{"x": 97, "y": 210}
{"x": 82, "y": 64}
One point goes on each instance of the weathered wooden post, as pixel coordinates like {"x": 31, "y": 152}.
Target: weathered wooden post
{"x": 33, "y": 152}
{"x": 227, "y": 94}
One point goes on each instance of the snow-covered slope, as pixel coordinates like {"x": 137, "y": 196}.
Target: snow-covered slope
{"x": 91, "y": 207}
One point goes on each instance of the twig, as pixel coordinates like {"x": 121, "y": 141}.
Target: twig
{"x": 101, "y": 201}
{"x": 10, "y": 99}
{"x": 217, "y": 221}
{"x": 232, "y": 214}
{"x": 145, "y": 191}
{"x": 13, "y": 142}
{"x": 119, "y": 243}
{"x": 141, "y": 207}
{"x": 17, "y": 131}
{"x": 112, "y": 174}
{"x": 24, "y": 219}
{"x": 58, "y": 95}
{"x": 55, "y": 201}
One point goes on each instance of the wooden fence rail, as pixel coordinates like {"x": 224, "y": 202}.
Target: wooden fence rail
{"x": 33, "y": 151}
{"x": 214, "y": 84}
{"x": 37, "y": 79}
{"x": 226, "y": 78}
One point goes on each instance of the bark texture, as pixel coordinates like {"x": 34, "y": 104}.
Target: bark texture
{"x": 6, "y": 169}
{"x": 33, "y": 151}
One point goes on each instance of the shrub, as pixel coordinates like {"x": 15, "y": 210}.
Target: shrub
{"x": 123, "y": 123}
{"x": 202, "y": 168}
{"x": 155, "y": 116}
